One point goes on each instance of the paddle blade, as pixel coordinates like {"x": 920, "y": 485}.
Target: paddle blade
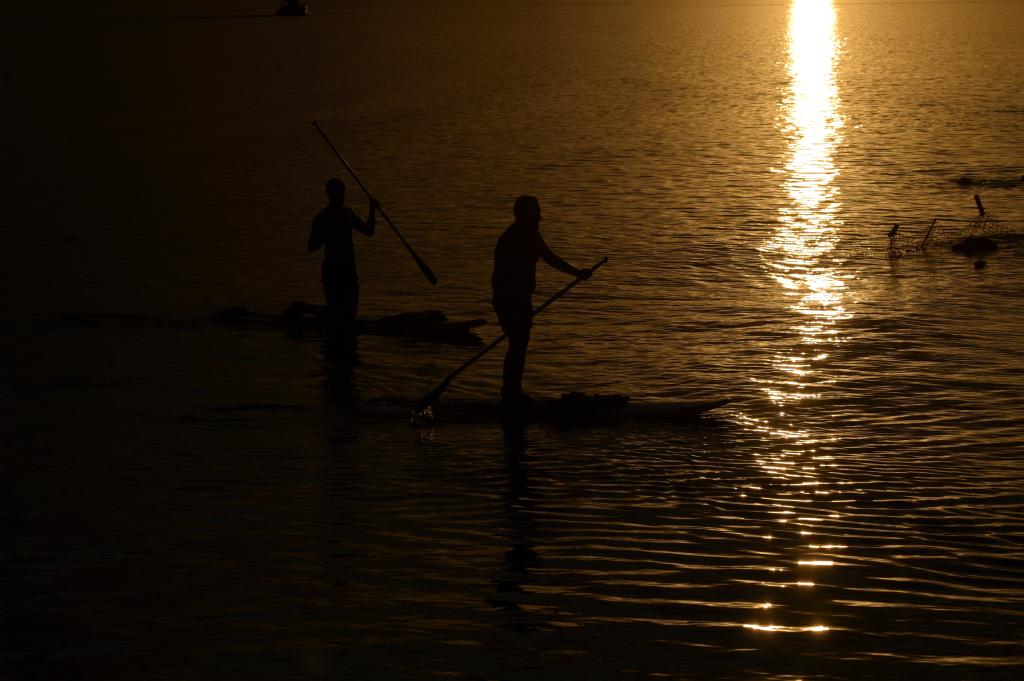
{"x": 424, "y": 268}
{"x": 423, "y": 419}
{"x": 431, "y": 397}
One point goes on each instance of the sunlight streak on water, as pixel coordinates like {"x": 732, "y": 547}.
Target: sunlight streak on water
{"x": 799, "y": 255}
{"x": 776, "y": 627}
{"x": 800, "y": 258}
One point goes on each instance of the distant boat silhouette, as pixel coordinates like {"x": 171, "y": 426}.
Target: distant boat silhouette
{"x": 975, "y": 245}
{"x": 290, "y": 8}
{"x": 970, "y": 181}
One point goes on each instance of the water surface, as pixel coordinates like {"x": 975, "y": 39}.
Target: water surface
{"x": 182, "y": 499}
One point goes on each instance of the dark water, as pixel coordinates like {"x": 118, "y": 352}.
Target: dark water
{"x": 187, "y": 500}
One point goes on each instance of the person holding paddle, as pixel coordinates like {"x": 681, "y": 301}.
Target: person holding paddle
{"x": 332, "y": 229}
{"x": 513, "y": 282}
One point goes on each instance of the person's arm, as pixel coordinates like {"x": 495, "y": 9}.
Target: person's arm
{"x": 316, "y": 235}
{"x": 548, "y": 256}
{"x": 370, "y": 226}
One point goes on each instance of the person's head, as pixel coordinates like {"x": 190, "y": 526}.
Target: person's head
{"x": 335, "y": 190}
{"x": 527, "y": 210}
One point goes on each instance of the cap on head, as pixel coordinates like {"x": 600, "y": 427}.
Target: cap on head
{"x": 335, "y": 188}
{"x": 526, "y": 208}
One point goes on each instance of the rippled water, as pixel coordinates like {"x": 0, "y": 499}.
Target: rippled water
{"x": 187, "y": 500}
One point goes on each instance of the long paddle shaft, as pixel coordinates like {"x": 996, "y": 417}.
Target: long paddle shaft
{"x": 432, "y": 396}
{"x": 424, "y": 268}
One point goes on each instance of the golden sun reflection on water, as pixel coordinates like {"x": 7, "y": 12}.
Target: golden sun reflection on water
{"x": 800, "y": 257}
{"x": 799, "y": 254}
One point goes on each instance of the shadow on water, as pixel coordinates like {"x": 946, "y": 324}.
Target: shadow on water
{"x": 340, "y": 354}
{"x": 520, "y": 557}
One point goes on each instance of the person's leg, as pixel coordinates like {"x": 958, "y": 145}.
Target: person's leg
{"x": 515, "y": 315}
{"x": 338, "y": 291}
{"x": 328, "y": 279}
{"x": 514, "y": 365}
{"x": 342, "y": 297}
{"x": 347, "y": 304}
{"x": 345, "y": 331}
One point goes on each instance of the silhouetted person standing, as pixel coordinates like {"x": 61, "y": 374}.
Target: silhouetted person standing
{"x": 513, "y": 282}
{"x": 332, "y": 229}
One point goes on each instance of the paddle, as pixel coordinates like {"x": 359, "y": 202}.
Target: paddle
{"x": 419, "y": 261}
{"x": 432, "y": 396}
